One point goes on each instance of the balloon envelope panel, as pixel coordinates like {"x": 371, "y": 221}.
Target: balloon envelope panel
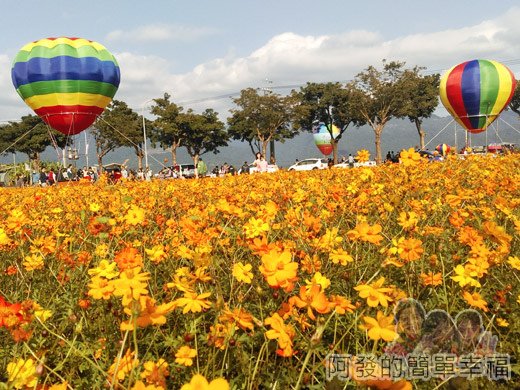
{"x": 476, "y": 92}
{"x": 68, "y": 82}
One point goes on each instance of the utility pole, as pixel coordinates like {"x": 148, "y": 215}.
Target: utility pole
{"x": 267, "y": 90}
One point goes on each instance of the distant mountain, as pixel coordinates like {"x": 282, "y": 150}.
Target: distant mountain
{"x": 398, "y": 134}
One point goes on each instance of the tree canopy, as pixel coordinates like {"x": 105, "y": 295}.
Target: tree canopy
{"x": 327, "y": 103}
{"x": 261, "y": 118}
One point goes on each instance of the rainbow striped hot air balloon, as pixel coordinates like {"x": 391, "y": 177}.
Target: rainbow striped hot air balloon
{"x": 475, "y": 92}
{"x": 322, "y": 138}
{"x": 443, "y": 149}
{"x": 68, "y": 82}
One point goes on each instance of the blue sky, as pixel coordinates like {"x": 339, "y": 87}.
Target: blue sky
{"x": 200, "y": 49}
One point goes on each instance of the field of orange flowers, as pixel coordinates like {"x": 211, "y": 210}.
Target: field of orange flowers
{"x": 249, "y": 282}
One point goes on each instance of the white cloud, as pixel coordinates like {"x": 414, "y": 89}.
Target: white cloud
{"x": 161, "y": 32}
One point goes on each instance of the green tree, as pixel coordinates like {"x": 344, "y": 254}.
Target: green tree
{"x": 327, "y": 103}
{"x": 32, "y": 136}
{"x": 422, "y": 97}
{"x": 380, "y": 96}
{"x": 118, "y": 126}
{"x": 165, "y": 129}
{"x": 201, "y": 133}
{"x": 261, "y": 118}
{"x": 514, "y": 104}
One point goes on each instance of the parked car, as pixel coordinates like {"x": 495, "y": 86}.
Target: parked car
{"x": 309, "y": 164}
{"x": 186, "y": 170}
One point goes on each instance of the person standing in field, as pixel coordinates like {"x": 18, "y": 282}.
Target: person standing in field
{"x": 202, "y": 168}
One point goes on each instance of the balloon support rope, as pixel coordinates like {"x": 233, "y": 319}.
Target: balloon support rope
{"x": 440, "y": 131}
{"x": 511, "y": 126}
{"x": 132, "y": 142}
{"x": 19, "y": 139}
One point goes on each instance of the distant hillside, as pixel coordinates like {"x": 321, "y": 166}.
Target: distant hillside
{"x": 398, "y": 134}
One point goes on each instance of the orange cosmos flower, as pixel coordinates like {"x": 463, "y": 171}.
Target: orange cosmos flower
{"x": 475, "y": 300}
{"x": 284, "y": 334}
{"x": 410, "y": 249}
{"x": 193, "y": 302}
{"x": 239, "y": 317}
{"x": 149, "y": 313}
{"x": 10, "y": 314}
{"x": 364, "y": 232}
{"x": 380, "y": 327}
{"x": 259, "y": 246}
{"x": 128, "y": 257}
{"x": 279, "y": 270}
{"x": 375, "y": 293}
{"x": 313, "y": 298}
{"x": 185, "y": 356}
{"x": 341, "y": 304}
{"x": 431, "y": 279}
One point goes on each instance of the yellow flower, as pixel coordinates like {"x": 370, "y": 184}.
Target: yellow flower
{"x": 198, "y": 382}
{"x": 318, "y": 279}
{"x": 375, "y": 293}
{"x": 4, "y": 239}
{"x": 463, "y": 277}
{"x": 94, "y": 207}
{"x": 380, "y": 327}
{"x": 408, "y": 221}
{"x": 135, "y": 215}
{"x": 155, "y": 372}
{"x": 340, "y": 256}
{"x": 255, "y": 227}
{"x": 139, "y": 385}
{"x": 363, "y": 155}
{"x": 22, "y": 374}
{"x": 105, "y": 269}
{"x": 409, "y": 157}
{"x": 475, "y": 300}
{"x": 42, "y": 314}
{"x": 185, "y": 356}
{"x": 242, "y": 272}
{"x": 278, "y": 269}
{"x": 502, "y": 323}
{"x": 156, "y": 254}
{"x": 123, "y": 366}
{"x": 33, "y": 262}
{"x": 514, "y": 261}
{"x": 192, "y": 302}
{"x": 100, "y": 288}
{"x": 131, "y": 285}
